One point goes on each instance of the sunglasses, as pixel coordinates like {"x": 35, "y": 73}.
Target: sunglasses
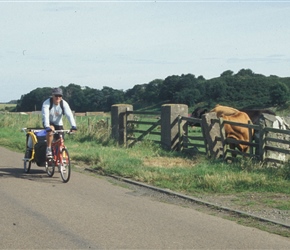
{"x": 58, "y": 95}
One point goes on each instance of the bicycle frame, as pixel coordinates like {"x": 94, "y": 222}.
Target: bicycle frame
{"x": 60, "y": 157}
{"x": 57, "y": 147}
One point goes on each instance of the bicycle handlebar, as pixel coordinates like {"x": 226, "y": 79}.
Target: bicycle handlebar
{"x": 31, "y": 129}
{"x": 67, "y": 131}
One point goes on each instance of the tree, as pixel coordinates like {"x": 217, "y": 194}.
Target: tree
{"x": 245, "y": 72}
{"x": 73, "y": 94}
{"x": 111, "y": 97}
{"x": 152, "y": 91}
{"x": 239, "y": 90}
{"x": 227, "y": 73}
{"x": 33, "y": 100}
{"x": 136, "y": 94}
{"x": 169, "y": 88}
{"x": 215, "y": 91}
{"x": 93, "y": 99}
{"x": 188, "y": 97}
{"x": 279, "y": 94}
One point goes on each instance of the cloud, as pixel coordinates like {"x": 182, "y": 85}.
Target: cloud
{"x": 267, "y": 59}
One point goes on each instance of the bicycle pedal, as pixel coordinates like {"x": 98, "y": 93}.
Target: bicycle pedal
{"x": 49, "y": 162}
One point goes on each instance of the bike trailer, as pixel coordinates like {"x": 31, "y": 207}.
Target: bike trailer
{"x": 36, "y": 146}
{"x": 40, "y": 148}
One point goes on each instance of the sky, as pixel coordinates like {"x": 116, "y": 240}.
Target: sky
{"x": 120, "y": 44}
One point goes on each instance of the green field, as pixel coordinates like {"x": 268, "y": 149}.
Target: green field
{"x": 7, "y": 107}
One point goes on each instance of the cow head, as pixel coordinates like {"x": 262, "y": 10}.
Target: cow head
{"x": 197, "y": 113}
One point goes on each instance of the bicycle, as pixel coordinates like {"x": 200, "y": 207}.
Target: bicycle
{"x": 60, "y": 157}
{"x": 36, "y": 153}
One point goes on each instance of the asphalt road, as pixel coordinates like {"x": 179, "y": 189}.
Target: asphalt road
{"x": 38, "y": 212}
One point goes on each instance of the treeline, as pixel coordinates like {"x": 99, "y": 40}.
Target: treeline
{"x": 240, "y": 90}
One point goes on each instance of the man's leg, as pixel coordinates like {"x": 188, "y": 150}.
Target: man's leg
{"x": 49, "y": 139}
{"x": 58, "y": 127}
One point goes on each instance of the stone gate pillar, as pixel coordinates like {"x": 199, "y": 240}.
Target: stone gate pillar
{"x": 169, "y": 124}
{"x": 214, "y": 135}
{"x": 118, "y": 120}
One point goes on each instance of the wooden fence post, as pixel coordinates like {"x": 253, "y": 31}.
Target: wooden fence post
{"x": 170, "y": 125}
{"x": 180, "y": 134}
{"x": 261, "y": 143}
{"x": 119, "y": 122}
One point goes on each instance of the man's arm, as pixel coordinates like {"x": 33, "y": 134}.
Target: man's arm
{"x": 69, "y": 114}
{"x": 45, "y": 113}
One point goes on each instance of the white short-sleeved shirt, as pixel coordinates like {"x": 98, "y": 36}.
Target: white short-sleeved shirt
{"x": 54, "y": 116}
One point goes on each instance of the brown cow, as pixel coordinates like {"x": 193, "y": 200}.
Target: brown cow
{"x": 238, "y": 132}
{"x": 240, "y": 116}
{"x": 254, "y": 114}
{"x": 224, "y": 110}
{"x": 233, "y": 131}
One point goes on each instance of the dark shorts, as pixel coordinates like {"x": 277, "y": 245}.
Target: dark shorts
{"x": 57, "y": 127}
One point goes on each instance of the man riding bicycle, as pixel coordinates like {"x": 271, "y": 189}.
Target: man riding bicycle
{"x": 53, "y": 110}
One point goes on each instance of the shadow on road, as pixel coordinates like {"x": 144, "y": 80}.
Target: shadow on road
{"x": 11, "y": 166}
{"x": 18, "y": 172}
{"x": 37, "y": 174}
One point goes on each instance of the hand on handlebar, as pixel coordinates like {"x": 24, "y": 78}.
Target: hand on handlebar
{"x": 73, "y": 129}
{"x": 48, "y": 129}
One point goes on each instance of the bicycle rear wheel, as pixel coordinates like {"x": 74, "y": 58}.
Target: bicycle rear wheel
{"x": 49, "y": 167}
{"x": 65, "y": 167}
{"x": 26, "y": 162}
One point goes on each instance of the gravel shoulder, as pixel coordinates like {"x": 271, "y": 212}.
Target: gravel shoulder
{"x": 254, "y": 204}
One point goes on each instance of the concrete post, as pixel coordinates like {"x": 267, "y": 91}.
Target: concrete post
{"x": 169, "y": 124}
{"x": 118, "y": 119}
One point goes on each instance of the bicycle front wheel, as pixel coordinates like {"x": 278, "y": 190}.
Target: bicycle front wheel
{"x": 65, "y": 167}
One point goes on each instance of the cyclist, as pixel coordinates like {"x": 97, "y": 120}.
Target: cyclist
{"x": 53, "y": 110}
